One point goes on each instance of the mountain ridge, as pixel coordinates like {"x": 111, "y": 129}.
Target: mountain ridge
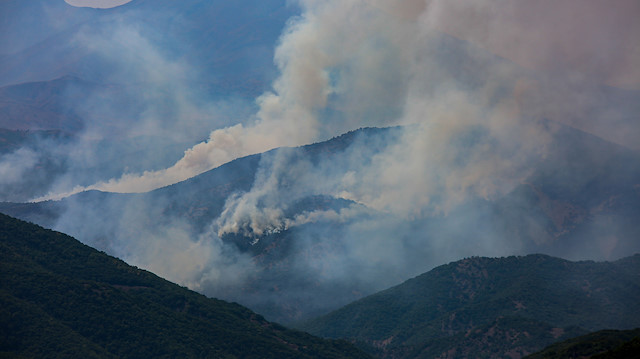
{"x": 422, "y": 317}
{"x": 547, "y": 213}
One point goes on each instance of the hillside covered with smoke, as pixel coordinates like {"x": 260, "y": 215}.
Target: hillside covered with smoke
{"x": 294, "y": 156}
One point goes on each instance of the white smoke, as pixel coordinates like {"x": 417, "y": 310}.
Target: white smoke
{"x": 477, "y": 122}
{"x": 348, "y": 64}
{"x": 463, "y": 142}
{"x": 314, "y": 68}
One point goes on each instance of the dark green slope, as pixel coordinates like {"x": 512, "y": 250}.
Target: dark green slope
{"x": 628, "y": 350}
{"x": 484, "y": 307}
{"x": 601, "y": 344}
{"x": 60, "y": 298}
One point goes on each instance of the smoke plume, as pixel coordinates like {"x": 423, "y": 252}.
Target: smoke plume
{"x": 481, "y": 90}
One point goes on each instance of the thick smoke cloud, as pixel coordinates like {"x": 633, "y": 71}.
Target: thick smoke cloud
{"x": 480, "y": 90}
{"x": 469, "y": 135}
{"x": 287, "y": 116}
{"x": 370, "y": 62}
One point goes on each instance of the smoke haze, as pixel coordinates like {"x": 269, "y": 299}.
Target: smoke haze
{"x": 360, "y": 63}
{"x": 484, "y": 95}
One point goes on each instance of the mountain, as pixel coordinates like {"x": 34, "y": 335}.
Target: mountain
{"x": 581, "y": 201}
{"x": 202, "y": 198}
{"x": 60, "y": 298}
{"x": 490, "y": 306}
{"x": 294, "y": 233}
{"x": 197, "y": 202}
{"x": 602, "y": 345}
{"x": 583, "y": 195}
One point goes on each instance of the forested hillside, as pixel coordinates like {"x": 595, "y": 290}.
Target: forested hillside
{"x": 492, "y": 306}
{"x": 603, "y": 344}
{"x": 60, "y": 298}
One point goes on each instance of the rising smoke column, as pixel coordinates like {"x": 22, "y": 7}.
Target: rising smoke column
{"x": 477, "y": 131}
{"x": 313, "y": 72}
{"x": 475, "y": 89}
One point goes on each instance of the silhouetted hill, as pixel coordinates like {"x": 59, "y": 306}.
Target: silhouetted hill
{"x": 622, "y": 344}
{"x": 485, "y": 307}
{"x": 61, "y": 298}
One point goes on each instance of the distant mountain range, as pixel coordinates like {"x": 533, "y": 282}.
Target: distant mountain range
{"x": 60, "y": 298}
{"x": 490, "y": 307}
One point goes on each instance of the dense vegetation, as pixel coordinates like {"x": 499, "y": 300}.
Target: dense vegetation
{"x": 60, "y": 298}
{"x": 604, "y": 344}
{"x": 483, "y": 307}
{"x": 628, "y": 350}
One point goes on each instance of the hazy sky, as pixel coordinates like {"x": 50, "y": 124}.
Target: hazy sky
{"x": 102, "y": 4}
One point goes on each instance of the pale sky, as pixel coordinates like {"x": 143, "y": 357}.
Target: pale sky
{"x": 102, "y": 4}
